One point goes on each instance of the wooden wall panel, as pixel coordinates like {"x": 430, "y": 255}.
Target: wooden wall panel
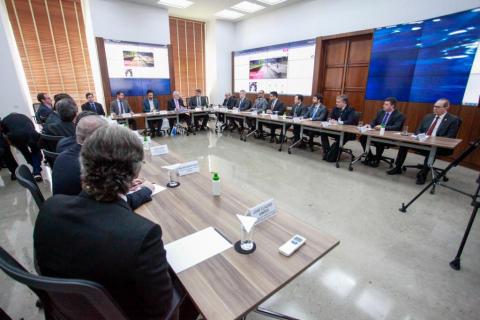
{"x": 50, "y": 37}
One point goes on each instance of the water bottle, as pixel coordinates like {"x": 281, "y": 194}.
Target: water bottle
{"x": 174, "y": 131}
{"x": 146, "y": 143}
{"x": 215, "y": 184}
{"x": 382, "y": 130}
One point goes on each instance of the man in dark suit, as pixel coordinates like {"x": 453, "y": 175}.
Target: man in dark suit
{"x": 45, "y": 108}
{"x": 298, "y": 111}
{"x": 20, "y": 132}
{"x": 243, "y": 104}
{"x": 120, "y": 106}
{"x": 68, "y": 142}
{"x": 67, "y": 110}
{"x": 343, "y": 113}
{"x": 150, "y": 104}
{"x": 440, "y": 123}
{"x": 277, "y": 107}
{"x": 176, "y": 104}
{"x": 229, "y": 101}
{"x": 199, "y": 101}
{"x": 316, "y": 112}
{"x": 389, "y": 118}
{"x": 92, "y": 105}
{"x": 102, "y": 239}
{"x": 66, "y": 169}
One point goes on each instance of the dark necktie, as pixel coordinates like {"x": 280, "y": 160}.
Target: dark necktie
{"x": 198, "y": 102}
{"x": 432, "y": 126}
{"x": 93, "y": 107}
{"x": 385, "y": 119}
{"x": 121, "y": 108}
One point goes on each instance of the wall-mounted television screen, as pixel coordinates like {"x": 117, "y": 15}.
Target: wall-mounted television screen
{"x": 286, "y": 68}
{"x": 423, "y": 61}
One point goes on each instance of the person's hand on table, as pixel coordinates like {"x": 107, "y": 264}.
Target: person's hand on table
{"x": 332, "y": 121}
{"x": 378, "y": 127}
{"x": 148, "y": 184}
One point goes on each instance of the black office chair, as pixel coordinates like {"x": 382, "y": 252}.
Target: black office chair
{"x": 38, "y": 120}
{"x": 49, "y": 142}
{"x": 26, "y": 180}
{"x": 435, "y": 170}
{"x": 71, "y": 299}
{"x": 50, "y": 157}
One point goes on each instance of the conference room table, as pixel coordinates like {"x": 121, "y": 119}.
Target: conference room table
{"x": 228, "y": 285}
{"x": 394, "y": 138}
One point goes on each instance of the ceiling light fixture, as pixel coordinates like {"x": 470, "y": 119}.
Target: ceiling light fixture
{"x": 182, "y": 4}
{"x": 272, "y": 2}
{"x": 229, "y": 14}
{"x": 247, "y": 6}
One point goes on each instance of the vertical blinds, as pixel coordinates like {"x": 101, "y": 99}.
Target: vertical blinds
{"x": 50, "y": 37}
{"x": 187, "y": 38}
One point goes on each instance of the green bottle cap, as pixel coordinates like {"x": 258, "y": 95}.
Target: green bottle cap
{"x": 215, "y": 177}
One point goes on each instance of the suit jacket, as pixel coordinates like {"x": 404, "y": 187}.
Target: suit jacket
{"x": 348, "y": 115}
{"x": 171, "y": 104}
{"x": 19, "y": 129}
{"x": 98, "y": 108}
{"x": 192, "y": 101}
{"x": 448, "y": 128}
{"x": 279, "y": 107}
{"x": 66, "y": 178}
{"x": 66, "y": 143}
{"x": 43, "y": 112}
{"x": 298, "y": 110}
{"x": 394, "y": 123}
{"x": 114, "y": 107}
{"x": 260, "y": 104}
{"x": 146, "y": 105}
{"x": 320, "y": 115}
{"x": 62, "y": 128}
{"x": 243, "y": 105}
{"x": 230, "y": 102}
{"x": 105, "y": 242}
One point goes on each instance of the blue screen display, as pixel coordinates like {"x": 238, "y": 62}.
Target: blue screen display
{"x": 425, "y": 60}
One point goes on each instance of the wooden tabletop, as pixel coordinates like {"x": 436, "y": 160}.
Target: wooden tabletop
{"x": 229, "y": 284}
{"x": 157, "y": 114}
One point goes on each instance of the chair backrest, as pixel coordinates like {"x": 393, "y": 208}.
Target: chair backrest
{"x": 49, "y": 142}
{"x": 26, "y": 180}
{"x": 64, "y": 299}
{"x": 50, "y": 156}
{"x": 358, "y": 115}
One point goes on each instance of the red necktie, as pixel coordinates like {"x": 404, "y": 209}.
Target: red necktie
{"x": 434, "y": 124}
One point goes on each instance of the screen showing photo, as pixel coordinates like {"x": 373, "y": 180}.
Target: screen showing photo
{"x": 285, "y": 68}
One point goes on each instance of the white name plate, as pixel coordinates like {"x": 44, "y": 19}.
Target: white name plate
{"x": 254, "y": 113}
{"x": 325, "y": 124}
{"x": 159, "y": 150}
{"x": 297, "y": 119}
{"x": 163, "y": 112}
{"x": 188, "y": 168}
{"x": 274, "y": 116}
{"x": 126, "y": 115}
{"x": 198, "y": 109}
{"x": 263, "y": 211}
{"x": 235, "y": 110}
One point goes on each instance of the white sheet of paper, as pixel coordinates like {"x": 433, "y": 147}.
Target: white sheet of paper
{"x": 195, "y": 248}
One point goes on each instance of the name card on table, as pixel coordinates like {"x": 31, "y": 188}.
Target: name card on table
{"x": 263, "y": 211}
{"x": 421, "y": 137}
{"x": 274, "y": 116}
{"x": 187, "y": 168}
{"x": 297, "y": 119}
{"x": 235, "y": 110}
{"x": 325, "y": 124}
{"x": 159, "y": 150}
{"x": 162, "y": 112}
{"x": 254, "y": 113}
{"x": 126, "y": 115}
{"x": 198, "y": 108}
{"x": 363, "y": 129}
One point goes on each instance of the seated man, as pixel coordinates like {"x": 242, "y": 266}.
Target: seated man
{"x": 92, "y": 105}
{"x": 341, "y": 114}
{"x": 440, "y": 123}
{"x": 96, "y": 236}
{"x": 120, "y": 106}
{"x": 260, "y": 105}
{"x": 277, "y": 107}
{"x": 66, "y": 170}
{"x": 20, "y": 132}
{"x": 317, "y": 112}
{"x": 243, "y": 104}
{"x": 229, "y": 102}
{"x": 68, "y": 142}
{"x": 150, "y": 104}
{"x": 298, "y": 111}
{"x": 390, "y": 118}
{"x": 67, "y": 110}
{"x": 199, "y": 101}
{"x": 45, "y": 107}
{"x": 176, "y": 104}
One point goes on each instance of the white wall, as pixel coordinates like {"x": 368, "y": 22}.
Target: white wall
{"x": 119, "y": 20}
{"x": 219, "y": 41}
{"x": 309, "y": 19}
{"x": 14, "y": 89}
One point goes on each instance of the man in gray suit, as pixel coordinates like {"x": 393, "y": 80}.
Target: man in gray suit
{"x": 199, "y": 101}
{"x": 120, "y": 106}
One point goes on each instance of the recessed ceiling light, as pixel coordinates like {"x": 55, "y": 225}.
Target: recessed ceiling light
{"x": 176, "y": 3}
{"x": 229, "y": 14}
{"x": 247, "y": 6}
{"x": 272, "y": 2}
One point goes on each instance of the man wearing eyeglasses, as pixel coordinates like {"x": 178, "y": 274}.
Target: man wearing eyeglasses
{"x": 440, "y": 123}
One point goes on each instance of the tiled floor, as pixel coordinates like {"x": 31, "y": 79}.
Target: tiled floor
{"x": 388, "y": 265}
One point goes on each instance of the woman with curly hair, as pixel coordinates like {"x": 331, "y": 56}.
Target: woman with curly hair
{"x": 96, "y": 236}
